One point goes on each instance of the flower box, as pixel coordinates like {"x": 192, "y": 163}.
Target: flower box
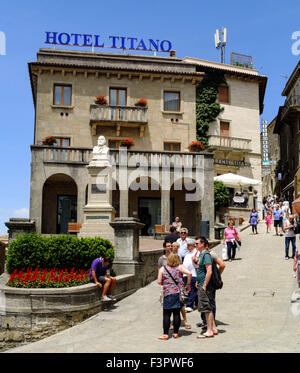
{"x": 128, "y": 142}
{"x": 196, "y": 146}
{"x": 49, "y": 140}
{"x": 101, "y": 100}
{"x": 141, "y": 102}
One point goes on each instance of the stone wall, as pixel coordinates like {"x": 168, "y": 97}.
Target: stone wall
{"x": 28, "y": 315}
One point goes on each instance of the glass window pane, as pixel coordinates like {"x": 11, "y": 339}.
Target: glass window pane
{"x": 176, "y": 147}
{"x": 122, "y": 97}
{"x": 67, "y": 95}
{"x": 57, "y": 95}
{"x": 171, "y": 101}
{"x": 167, "y": 146}
{"x": 113, "y": 97}
{"x": 65, "y": 142}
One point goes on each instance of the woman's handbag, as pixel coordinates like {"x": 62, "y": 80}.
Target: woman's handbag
{"x": 183, "y": 297}
{"x": 224, "y": 253}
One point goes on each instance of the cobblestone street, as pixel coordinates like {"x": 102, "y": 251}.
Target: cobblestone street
{"x": 254, "y": 312}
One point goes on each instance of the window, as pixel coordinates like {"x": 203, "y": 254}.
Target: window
{"x": 223, "y": 93}
{"x": 113, "y": 144}
{"x": 224, "y": 128}
{"x": 117, "y": 97}
{"x": 172, "y": 146}
{"x": 62, "y": 94}
{"x": 61, "y": 154}
{"x": 171, "y": 101}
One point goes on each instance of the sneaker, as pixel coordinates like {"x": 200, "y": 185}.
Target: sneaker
{"x": 188, "y": 309}
{"x": 111, "y": 297}
{"x": 287, "y": 258}
{"x": 105, "y": 298}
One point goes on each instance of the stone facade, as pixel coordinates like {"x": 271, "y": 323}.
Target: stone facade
{"x": 238, "y": 149}
{"x": 160, "y": 134}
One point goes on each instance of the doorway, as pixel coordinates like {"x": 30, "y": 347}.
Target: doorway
{"x": 66, "y": 212}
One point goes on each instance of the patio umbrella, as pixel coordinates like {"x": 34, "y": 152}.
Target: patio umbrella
{"x": 235, "y": 181}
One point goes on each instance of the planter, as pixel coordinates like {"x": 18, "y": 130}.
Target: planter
{"x": 142, "y": 102}
{"x": 49, "y": 140}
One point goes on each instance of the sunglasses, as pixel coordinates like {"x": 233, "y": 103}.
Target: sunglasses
{"x": 183, "y": 233}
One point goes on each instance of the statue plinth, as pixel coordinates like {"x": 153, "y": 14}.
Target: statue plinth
{"x": 99, "y": 212}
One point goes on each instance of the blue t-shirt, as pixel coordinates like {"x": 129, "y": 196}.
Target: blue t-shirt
{"x": 253, "y": 218}
{"x": 99, "y": 268}
{"x": 277, "y": 214}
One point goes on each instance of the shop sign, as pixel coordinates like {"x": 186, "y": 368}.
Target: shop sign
{"x": 114, "y": 41}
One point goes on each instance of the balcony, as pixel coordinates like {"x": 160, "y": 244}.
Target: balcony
{"x": 229, "y": 143}
{"x": 118, "y": 116}
{"x": 134, "y": 158}
{"x": 291, "y": 107}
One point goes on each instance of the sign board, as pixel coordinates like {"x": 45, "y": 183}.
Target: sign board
{"x": 113, "y": 41}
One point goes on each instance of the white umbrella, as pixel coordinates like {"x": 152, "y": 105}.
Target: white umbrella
{"x": 235, "y": 181}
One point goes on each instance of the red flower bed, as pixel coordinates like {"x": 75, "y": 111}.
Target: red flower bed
{"x": 127, "y": 142}
{"x": 48, "y": 278}
{"x": 196, "y": 146}
{"x": 49, "y": 140}
{"x": 141, "y": 102}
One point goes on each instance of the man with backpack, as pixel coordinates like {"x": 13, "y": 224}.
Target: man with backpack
{"x": 208, "y": 281}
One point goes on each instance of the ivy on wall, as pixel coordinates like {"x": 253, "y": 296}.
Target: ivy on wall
{"x": 207, "y": 109}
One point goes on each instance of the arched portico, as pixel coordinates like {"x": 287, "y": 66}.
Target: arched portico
{"x": 59, "y": 206}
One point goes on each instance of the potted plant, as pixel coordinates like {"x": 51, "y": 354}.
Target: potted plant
{"x": 196, "y": 146}
{"x": 128, "y": 142}
{"x": 49, "y": 140}
{"x": 101, "y": 100}
{"x": 141, "y": 102}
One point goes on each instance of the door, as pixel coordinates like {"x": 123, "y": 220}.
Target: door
{"x": 224, "y": 133}
{"x": 117, "y": 97}
{"x": 66, "y": 212}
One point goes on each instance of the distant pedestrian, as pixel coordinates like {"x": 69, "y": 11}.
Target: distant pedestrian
{"x": 269, "y": 221}
{"x": 277, "y": 214}
{"x": 162, "y": 260}
{"x": 170, "y": 278}
{"x": 290, "y": 236}
{"x": 177, "y": 224}
{"x": 98, "y": 275}
{"x": 175, "y": 247}
{"x": 253, "y": 220}
{"x": 230, "y": 236}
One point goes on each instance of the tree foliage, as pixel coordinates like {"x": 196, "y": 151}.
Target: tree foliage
{"x": 221, "y": 195}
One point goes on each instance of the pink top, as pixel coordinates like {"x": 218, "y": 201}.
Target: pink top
{"x": 268, "y": 219}
{"x": 230, "y": 233}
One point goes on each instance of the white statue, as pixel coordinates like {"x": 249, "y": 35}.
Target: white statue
{"x": 100, "y": 151}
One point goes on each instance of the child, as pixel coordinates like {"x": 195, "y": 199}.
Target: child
{"x": 269, "y": 221}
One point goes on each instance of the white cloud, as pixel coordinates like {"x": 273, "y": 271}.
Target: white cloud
{"x": 22, "y": 212}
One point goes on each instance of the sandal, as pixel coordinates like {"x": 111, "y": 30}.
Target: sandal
{"x": 204, "y": 335}
{"x": 175, "y": 335}
{"x": 187, "y": 325}
{"x": 164, "y": 337}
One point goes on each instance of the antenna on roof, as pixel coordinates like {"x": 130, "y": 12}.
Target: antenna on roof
{"x": 220, "y": 44}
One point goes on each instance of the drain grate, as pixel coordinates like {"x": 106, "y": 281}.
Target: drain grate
{"x": 263, "y": 293}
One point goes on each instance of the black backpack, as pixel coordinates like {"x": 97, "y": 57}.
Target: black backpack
{"x": 216, "y": 279}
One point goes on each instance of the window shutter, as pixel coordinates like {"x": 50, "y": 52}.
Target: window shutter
{"x": 223, "y": 93}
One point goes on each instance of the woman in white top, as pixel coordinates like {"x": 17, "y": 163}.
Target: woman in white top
{"x": 189, "y": 264}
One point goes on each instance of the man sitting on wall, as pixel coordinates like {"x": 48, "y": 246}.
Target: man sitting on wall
{"x": 98, "y": 275}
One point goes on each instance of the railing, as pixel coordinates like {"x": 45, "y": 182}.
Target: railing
{"x": 229, "y": 142}
{"x": 131, "y": 114}
{"x": 130, "y": 158}
{"x": 293, "y": 100}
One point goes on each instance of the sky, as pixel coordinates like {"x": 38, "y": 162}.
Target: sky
{"x": 262, "y": 29}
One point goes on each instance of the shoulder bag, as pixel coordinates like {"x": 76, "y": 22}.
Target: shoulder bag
{"x": 182, "y": 295}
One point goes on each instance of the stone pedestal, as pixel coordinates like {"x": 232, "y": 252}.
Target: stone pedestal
{"x": 98, "y": 213}
{"x": 126, "y": 244}
{"x": 18, "y": 226}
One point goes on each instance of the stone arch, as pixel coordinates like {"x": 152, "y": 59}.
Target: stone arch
{"x": 145, "y": 202}
{"x": 59, "y": 203}
{"x": 186, "y": 193}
